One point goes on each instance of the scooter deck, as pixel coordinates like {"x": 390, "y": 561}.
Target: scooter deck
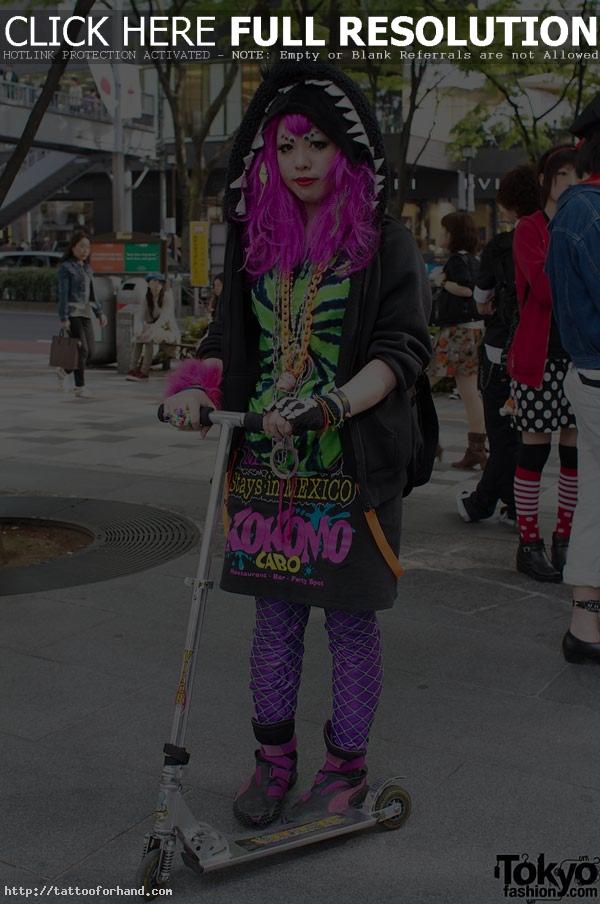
{"x": 287, "y": 836}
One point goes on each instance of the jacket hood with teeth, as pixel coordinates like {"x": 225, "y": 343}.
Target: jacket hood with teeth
{"x": 326, "y": 96}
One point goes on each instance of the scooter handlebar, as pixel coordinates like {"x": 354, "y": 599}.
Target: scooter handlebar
{"x": 250, "y": 420}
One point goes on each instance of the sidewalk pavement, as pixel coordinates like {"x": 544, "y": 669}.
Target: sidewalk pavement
{"x": 495, "y": 735}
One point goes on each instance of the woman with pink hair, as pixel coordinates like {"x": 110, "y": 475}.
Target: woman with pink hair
{"x": 322, "y": 327}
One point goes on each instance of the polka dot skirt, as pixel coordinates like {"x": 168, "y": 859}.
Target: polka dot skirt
{"x": 546, "y": 409}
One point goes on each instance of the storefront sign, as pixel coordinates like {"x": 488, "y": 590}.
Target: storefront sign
{"x": 125, "y": 257}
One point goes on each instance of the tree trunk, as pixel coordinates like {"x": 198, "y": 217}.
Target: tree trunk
{"x": 55, "y": 73}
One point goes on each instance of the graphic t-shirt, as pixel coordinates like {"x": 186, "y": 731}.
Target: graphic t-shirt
{"x": 316, "y": 452}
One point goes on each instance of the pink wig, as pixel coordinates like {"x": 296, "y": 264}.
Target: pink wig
{"x": 275, "y": 218}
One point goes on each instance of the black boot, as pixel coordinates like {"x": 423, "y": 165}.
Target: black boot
{"x": 575, "y": 650}
{"x": 560, "y": 546}
{"x": 532, "y": 559}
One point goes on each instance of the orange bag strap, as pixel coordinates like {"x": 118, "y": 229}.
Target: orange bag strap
{"x": 382, "y": 544}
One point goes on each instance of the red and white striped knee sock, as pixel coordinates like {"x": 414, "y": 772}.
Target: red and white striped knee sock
{"x": 527, "y": 500}
{"x": 567, "y": 490}
{"x": 528, "y": 477}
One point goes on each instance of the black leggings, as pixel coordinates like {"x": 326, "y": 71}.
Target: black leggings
{"x": 81, "y": 328}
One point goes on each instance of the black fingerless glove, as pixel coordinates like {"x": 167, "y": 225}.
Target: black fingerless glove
{"x": 318, "y": 412}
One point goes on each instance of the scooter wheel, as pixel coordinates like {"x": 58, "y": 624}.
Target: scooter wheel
{"x": 393, "y": 794}
{"x": 146, "y": 876}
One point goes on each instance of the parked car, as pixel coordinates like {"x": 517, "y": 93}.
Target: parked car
{"x": 30, "y": 259}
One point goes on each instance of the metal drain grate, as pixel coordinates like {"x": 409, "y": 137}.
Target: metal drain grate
{"x": 127, "y": 538}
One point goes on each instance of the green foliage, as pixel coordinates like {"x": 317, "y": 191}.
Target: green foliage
{"x": 471, "y": 131}
{"x": 194, "y": 329}
{"x": 28, "y": 284}
{"x": 509, "y": 116}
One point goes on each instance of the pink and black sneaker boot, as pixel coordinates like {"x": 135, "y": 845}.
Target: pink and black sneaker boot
{"x": 341, "y": 783}
{"x": 260, "y": 800}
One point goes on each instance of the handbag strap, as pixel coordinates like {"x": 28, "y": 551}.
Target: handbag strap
{"x": 382, "y": 544}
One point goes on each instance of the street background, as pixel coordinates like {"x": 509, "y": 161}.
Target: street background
{"x": 496, "y": 737}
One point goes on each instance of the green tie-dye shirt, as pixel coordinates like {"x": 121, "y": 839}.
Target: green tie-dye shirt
{"x": 316, "y": 452}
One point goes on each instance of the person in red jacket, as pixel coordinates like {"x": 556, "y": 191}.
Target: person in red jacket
{"x": 537, "y": 364}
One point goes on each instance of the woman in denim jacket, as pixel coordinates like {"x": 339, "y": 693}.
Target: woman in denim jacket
{"x": 574, "y": 273}
{"x": 76, "y": 302}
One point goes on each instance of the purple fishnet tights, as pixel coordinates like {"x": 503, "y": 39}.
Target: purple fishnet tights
{"x": 276, "y": 667}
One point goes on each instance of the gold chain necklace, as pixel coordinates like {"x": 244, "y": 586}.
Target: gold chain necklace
{"x": 295, "y": 337}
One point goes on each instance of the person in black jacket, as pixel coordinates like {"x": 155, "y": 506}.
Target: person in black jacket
{"x": 496, "y": 299}
{"x": 457, "y": 344}
{"x": 322, "y": 326}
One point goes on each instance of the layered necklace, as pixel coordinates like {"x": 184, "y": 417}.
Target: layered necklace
{"x": 291, "y": 361}
{"x": 292, "y": 334}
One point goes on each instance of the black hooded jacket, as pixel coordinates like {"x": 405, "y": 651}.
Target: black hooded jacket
{"x": 386, "y": 318}
{"x": 387, "y": 312}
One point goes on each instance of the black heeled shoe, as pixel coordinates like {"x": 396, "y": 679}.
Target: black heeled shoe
{"x": 577, "y": 651}
{"x": 560, "y": 547}
{"x": 532, "y": 559}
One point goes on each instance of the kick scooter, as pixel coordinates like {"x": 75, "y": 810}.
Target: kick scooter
{"x": 205, "y": 848}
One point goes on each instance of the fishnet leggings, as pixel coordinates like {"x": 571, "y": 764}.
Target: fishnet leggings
{"x": 276, "y": 667}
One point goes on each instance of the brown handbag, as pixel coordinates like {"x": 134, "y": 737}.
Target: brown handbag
{"x": 64, "y": 351}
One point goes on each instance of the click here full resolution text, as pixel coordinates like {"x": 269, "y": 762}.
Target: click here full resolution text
{"x": 97, "y": 32}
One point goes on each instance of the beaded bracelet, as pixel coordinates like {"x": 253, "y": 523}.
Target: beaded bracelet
{"x": 324, "y": 411}
{"x": 335, "y": 410}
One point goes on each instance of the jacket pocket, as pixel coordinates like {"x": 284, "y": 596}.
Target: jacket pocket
{"x": 386, "y": 433}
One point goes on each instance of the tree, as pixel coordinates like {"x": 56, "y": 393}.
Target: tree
{"x": 410, "y": 82}
{"x": 172, "y": 77}
{"x": 55, "y": 73}
{"x": 508, "y": 84}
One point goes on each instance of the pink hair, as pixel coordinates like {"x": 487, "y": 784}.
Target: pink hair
{"x": 275, "y": 219}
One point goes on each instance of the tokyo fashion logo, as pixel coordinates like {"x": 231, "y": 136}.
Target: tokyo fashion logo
{"x": 547, "y": 880}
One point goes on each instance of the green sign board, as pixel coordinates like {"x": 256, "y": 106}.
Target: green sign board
{"x": 142, "y": 258}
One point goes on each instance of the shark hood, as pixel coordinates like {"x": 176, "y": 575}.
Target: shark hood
{"x": 326, "y": 96}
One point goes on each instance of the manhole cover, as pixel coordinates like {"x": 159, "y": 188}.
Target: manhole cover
{"x": 24, "y": 541}
{"x": 122, "y": 538}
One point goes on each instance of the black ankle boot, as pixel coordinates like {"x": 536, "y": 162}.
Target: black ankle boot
{"x": 532, "y": 559}
{"x": 560, "y": 546}
{"x": 575, "y": 650}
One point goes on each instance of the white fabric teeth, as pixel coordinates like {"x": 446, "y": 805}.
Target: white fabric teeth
{"x": 285, "y": 89}
{"x": 378, "y": 164}
{"x": 352, "y": 115}
{"x": 241, "y": 206}
{"x": 357, "y": 129}
{"x": 345, "y": 103}
{"x": 334, "y": 90}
